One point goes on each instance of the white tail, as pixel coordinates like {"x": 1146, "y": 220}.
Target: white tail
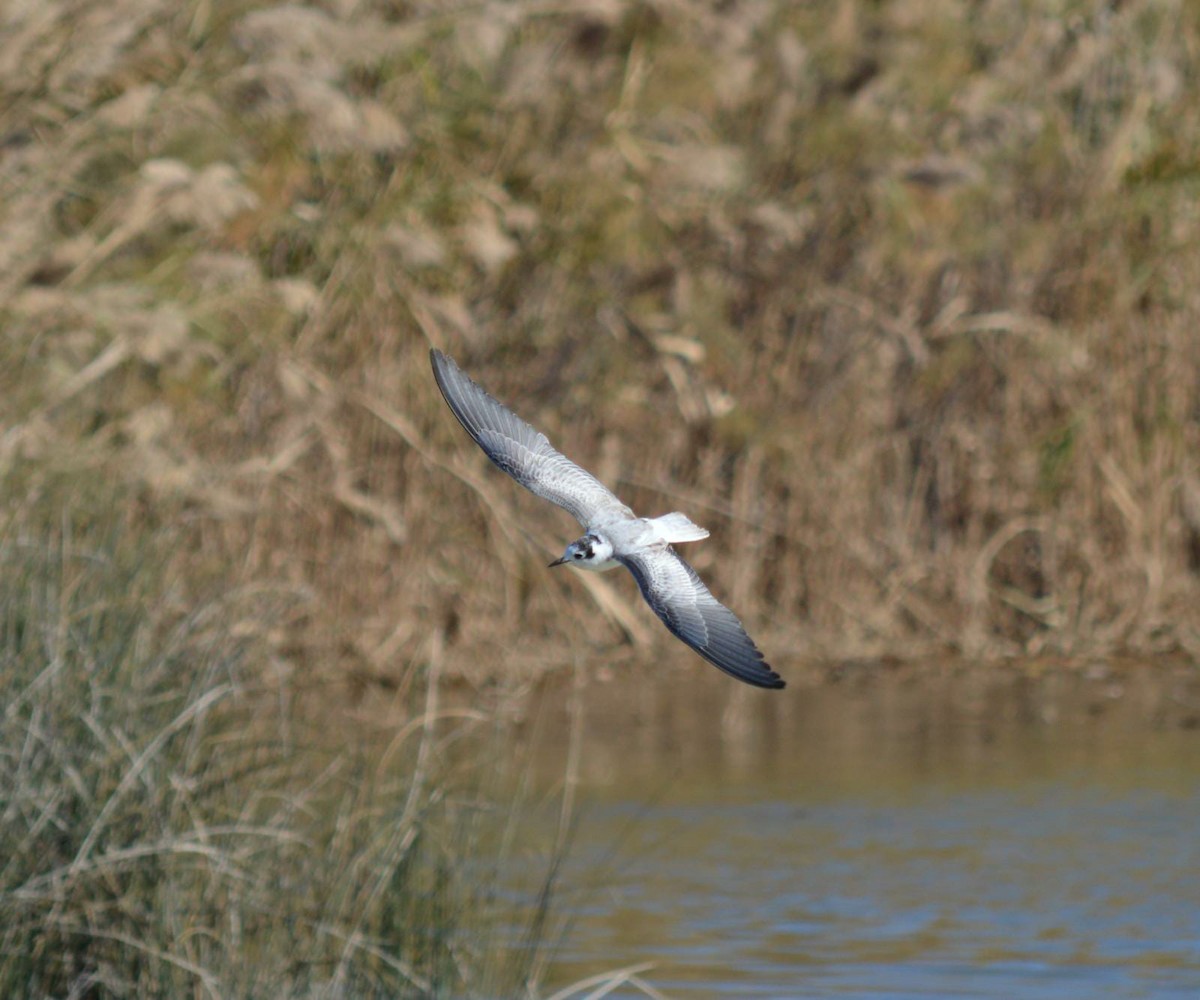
{"x": 677, "y": 527}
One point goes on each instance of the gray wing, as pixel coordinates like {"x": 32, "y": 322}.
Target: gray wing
{"x": 521, "y": 451}
{"x": 679, "y": 597}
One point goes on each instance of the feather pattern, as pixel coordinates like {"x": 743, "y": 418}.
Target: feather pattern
{"x": 679, "y": 597}
{"x": 524, "y": 453}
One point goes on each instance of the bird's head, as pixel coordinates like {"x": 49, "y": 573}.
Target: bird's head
{"x": 589, "y": 552}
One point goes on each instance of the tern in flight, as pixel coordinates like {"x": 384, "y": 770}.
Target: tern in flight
{"x": 614, "y": 535}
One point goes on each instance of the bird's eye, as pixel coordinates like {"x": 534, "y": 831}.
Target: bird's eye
{"x": 577, "y": 555}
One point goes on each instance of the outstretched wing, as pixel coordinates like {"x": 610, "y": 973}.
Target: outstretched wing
{"x": 679, "y": 597}
{"x": 521, "y": 451}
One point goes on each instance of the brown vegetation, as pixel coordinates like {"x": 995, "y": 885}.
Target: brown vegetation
{"x": 898, "y": 299}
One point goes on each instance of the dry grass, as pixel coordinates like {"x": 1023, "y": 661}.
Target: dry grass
{"x": 175, "y": 824}
{"x": 901, "y": 301}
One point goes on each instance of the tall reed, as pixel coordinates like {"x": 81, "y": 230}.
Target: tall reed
{"x": 173, "y": 823}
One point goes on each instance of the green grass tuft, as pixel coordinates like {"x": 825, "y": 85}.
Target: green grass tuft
{"x": 173, "y": 826}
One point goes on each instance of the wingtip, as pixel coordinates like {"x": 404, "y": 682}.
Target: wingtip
{"x": 769, "y": 680}
{"x": 761, "y": 676}
{"x": 757, "y": 673}
{"x": 445, "y": 373}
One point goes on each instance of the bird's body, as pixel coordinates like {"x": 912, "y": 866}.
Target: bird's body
{"x": 614, "y": 536}
{"x": 597, "y": 549}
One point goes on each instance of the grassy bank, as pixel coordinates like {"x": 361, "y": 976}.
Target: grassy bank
{"x": 179, "y": 818}
{"x": 898, "y": 299}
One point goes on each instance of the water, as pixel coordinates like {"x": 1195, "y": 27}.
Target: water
{"x": 967, "y": 834}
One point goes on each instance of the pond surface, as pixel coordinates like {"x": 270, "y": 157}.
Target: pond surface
{"x": 893, "y": 833}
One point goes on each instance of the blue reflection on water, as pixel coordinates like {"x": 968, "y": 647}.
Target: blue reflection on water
{"x": 1062, "y": 889}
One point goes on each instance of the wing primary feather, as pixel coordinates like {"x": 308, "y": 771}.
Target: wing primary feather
{"x": 521, "y": 451}
{"x": 679, "y": 597}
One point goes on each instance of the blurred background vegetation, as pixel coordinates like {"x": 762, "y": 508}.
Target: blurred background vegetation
{"x": 899, "y": 299}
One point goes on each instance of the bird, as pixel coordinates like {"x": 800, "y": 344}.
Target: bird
{"x": 613, "y": 534}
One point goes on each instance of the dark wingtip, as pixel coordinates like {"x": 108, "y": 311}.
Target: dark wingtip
{"x": 758, "y": 672}
{"x": 770, "y": 680}
{"x": 442, "y": 365}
